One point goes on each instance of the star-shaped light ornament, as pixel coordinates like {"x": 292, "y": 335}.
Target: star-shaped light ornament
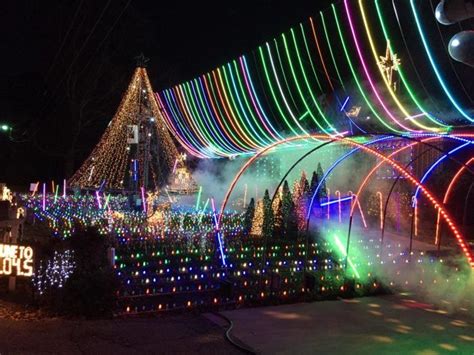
{"x": 388, "y": 64}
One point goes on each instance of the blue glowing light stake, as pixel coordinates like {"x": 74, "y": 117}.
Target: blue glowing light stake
{"x": 56, "y": 193}
{"x": 218, "y": 232}
{"x": 143, "y": 199}
{"x": 135, "y": 170}
{"x": 344, "y": 104}
{"x": 101, "y": 187}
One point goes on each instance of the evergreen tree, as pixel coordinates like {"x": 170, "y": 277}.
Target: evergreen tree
{"x": 296, "y": 190}
{"x": 108, "y": 163}
{"x": 292, "y": 223}
{"x": 312, "y": 188}
{"x": 304, "y": 184}
{"x": 287, "y": 208}
{"x": 277, "y": 200}
{"x": 257, "y": 221}
{"x": 323, "y": 192}
{"x": 267, "y": 225}
{"x": 300, "y": 198}
{"x": 314, "y": 183}
{"x": 278, "y": 230}
{"x": 248, "y": 216}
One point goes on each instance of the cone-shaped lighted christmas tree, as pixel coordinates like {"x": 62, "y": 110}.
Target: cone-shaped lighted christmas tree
{"x": 136, "y": 149}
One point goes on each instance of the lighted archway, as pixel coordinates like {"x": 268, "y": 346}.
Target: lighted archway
{"x": 459, "y": 237}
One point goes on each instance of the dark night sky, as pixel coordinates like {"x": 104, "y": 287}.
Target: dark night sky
{"x": 187, "y": 36}
{"x": 47, "y": 45}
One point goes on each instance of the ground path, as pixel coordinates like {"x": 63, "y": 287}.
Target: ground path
{"x": 371, "y": 325}
{"x": 394, "y": 324}
{"x": 177, "y": 334}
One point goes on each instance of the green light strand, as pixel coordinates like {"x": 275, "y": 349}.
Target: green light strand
{"x": 212, "y": 122}
{"x": 216, "y": 101}
{"x": 179, "y": 118}
{"x": 241, "y": 111}
{"x": 342, "y": 249}
{"x": 247, "y": 104}
{"x": 187, "y": 98}
{"x": 285, "y": 77}
{"x": 310, "y": 57}
{"x": 315, "y": 101}
{"x": 272, "y": 91}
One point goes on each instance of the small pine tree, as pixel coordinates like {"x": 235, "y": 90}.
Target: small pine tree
{"x": 323, "y": 192}
{"x": 312, "y": 188}
{"x": 287, "y": 201}
{"x": 292, "y": 223}
{"x": 277, "y": 200}
{"x": 278, "y": 230}
{"x": 248, "y": 216}
{"x": 304, "y": 184}
{"x": 314, "y": 183}
{"x": 267, "y": 227}
{"x": 257, "y": 221}
{"x": 300, "y": 197}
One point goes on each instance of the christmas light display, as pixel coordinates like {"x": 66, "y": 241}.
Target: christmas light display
{"x": 173, "y": 260}
{"x": 388, "y": 64}
{"x": 384, "y": 159}
{"x": 227, "y": 112}
{"x": 170, "y": 273}
{"x": 54, "y": 272}
{"x": 187, "y": 241}
{"x": 192, "y": 255}
{"x": 257, "y": 221}
{"x": 181, "y": 180}
{"x": 5, "y": 193}
{"x": 136, "y": 149}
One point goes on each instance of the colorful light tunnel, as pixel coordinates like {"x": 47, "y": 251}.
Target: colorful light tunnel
{"x": 371, "y": 146}
{"x": 349, "y": 71}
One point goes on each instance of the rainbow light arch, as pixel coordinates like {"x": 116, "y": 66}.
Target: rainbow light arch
{"x": 461, "y": 241}
{"x": 296, "y": 84}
